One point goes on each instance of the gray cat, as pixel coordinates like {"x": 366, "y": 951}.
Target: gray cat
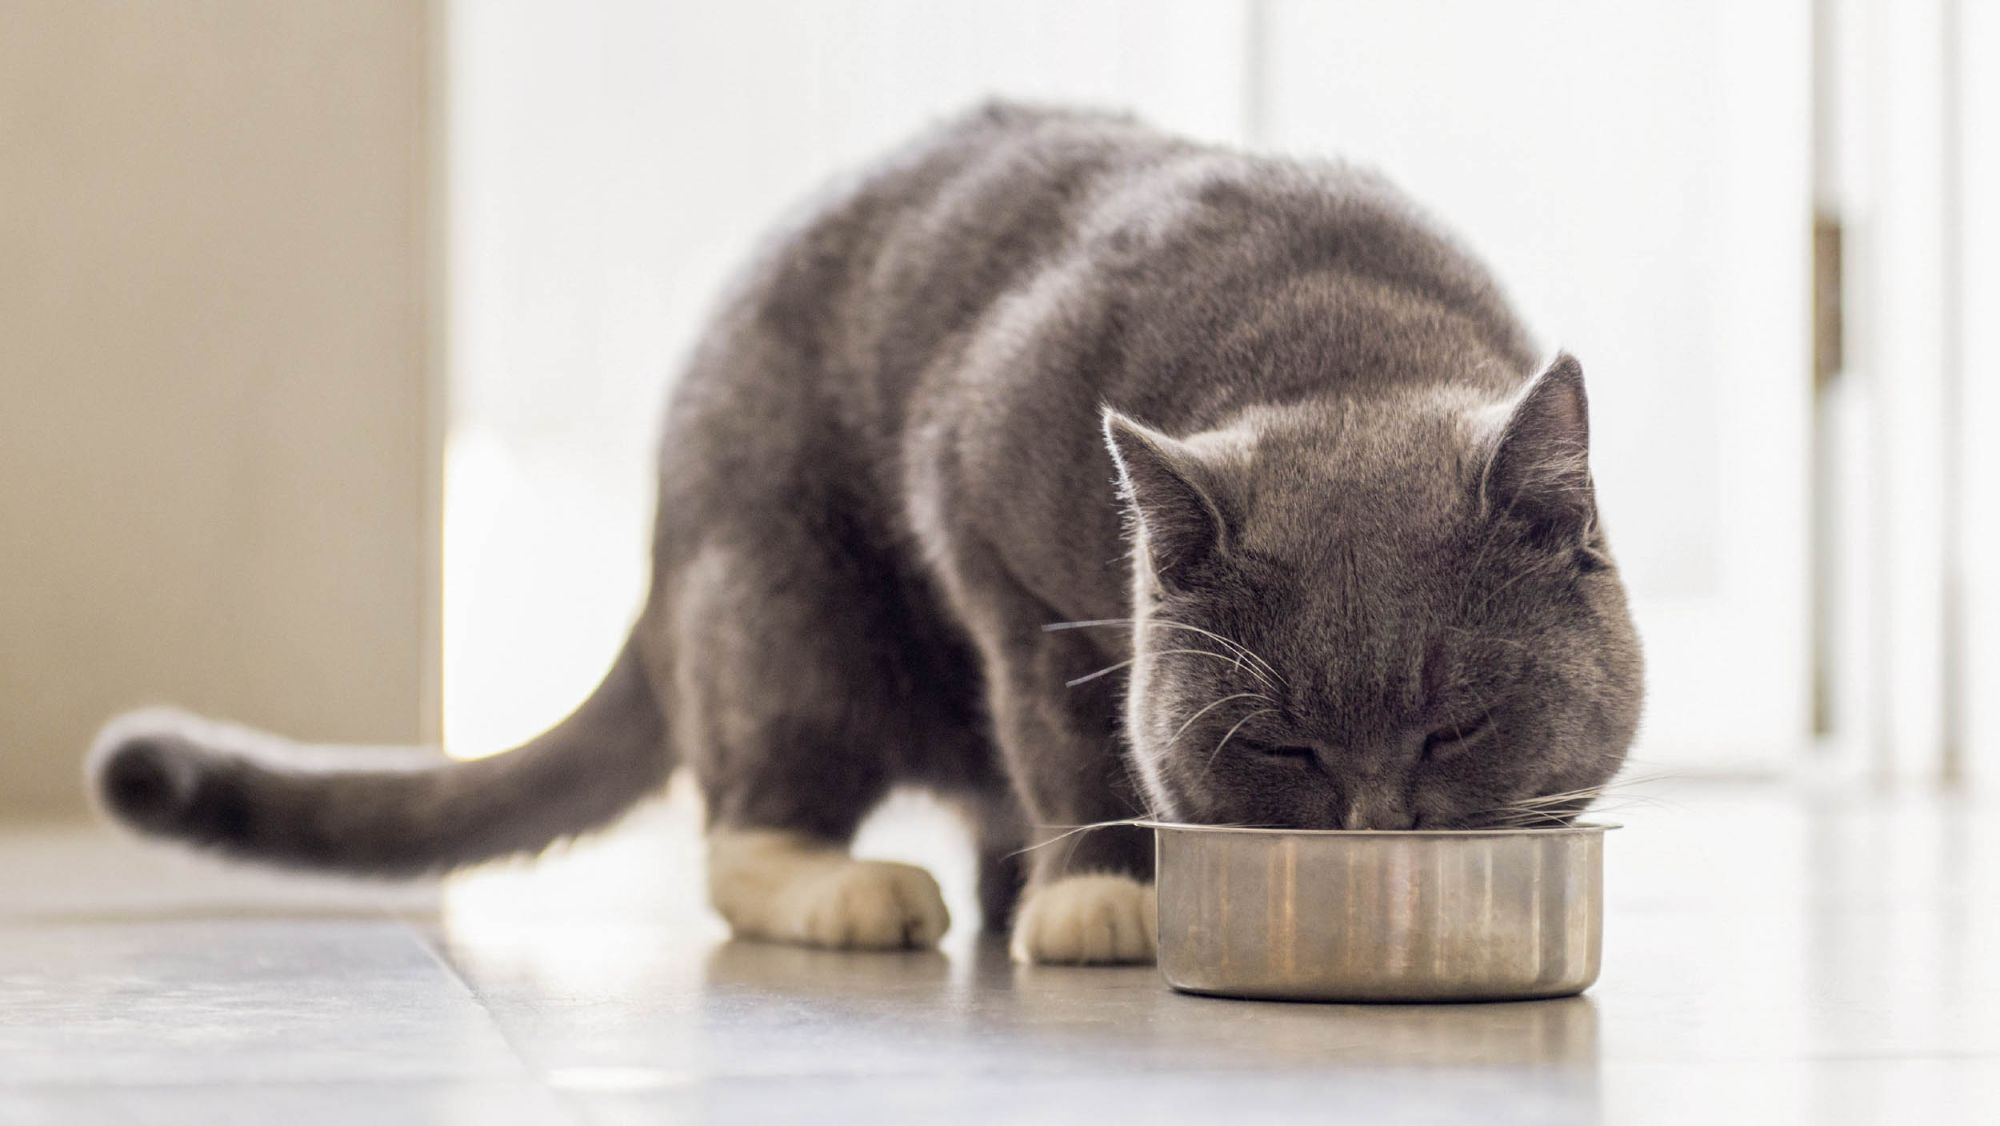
{"x": 1075, "y": 472}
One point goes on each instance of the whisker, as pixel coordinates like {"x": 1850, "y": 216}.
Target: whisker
{"x": 1557, "y": 810}
{"x": 1214, "y": 754}
{"x": 1263, "y": 667}
{"x": 1073, "y": 830}
{"x": 1563, "y": 807}
{"x": 1211, "y": 707}
{"x": 1109, "y": 669}
{"x": 1159, "y": 623}
{"x": 1616, "y": 784}
{"x": 1532, "y": 818}
{"x": 1551, "y": 799}
{"x": 1140, "y": 822}
{"x": 1528, "y": 821}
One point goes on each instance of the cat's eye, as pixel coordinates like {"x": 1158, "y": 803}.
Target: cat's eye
{"x": 1301, "y": 754}
{"x": 1447, "y": 738}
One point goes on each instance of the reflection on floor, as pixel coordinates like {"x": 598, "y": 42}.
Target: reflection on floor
{"x": 1770, "y": 958}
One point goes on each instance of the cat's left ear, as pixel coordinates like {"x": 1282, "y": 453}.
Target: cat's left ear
{"x": 1539, "y": 471}
{"x": 1182, "y": 527}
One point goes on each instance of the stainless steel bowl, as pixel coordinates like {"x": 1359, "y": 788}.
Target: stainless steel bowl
{"x": 1484, "y": 915}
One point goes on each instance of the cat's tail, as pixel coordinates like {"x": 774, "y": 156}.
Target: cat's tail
{"x": 407, "y": 813}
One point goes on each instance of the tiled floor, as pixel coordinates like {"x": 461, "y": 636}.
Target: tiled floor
{"x": 1770, "y": 958}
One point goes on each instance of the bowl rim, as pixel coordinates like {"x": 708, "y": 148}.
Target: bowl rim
{"x": 1586, "y": 828}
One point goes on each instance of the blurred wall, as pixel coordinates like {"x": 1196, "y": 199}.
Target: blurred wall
{"x": 217, "y": 428}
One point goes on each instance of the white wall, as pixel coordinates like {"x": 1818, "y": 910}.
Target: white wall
{"x": 1979, "y": 376}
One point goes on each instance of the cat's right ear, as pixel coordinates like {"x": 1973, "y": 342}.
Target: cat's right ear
{"x": 1181, "y": 527}
{"x": 1539, "y": 471}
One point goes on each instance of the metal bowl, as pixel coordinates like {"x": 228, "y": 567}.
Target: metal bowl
{"x": 1479, "y": 915}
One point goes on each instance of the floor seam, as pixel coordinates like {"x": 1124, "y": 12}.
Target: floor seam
{"x": 428, "y": 939}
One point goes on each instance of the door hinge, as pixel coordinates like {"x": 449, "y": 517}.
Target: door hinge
{"x": 1829, "y": 327}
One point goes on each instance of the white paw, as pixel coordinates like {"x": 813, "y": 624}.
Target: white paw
{"x": 1087, "y": 920}
{"x": 789, "y": 888}
{"x": 864, "y": 905}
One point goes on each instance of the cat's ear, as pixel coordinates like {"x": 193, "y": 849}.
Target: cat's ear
{"x": 1164, "y": 481}
{"x": 1538, "y": 473}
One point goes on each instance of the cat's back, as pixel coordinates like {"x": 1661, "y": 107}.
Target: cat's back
{"x": 869, "y": 274}
{"x": 1097, "y": 208}
{"x": 903, "y": 257}
{"x": 883, "y": 269}
{"x": 1056, "y": 259}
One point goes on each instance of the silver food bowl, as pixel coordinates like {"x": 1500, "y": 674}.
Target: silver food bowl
{"x": 1424, "y": 916}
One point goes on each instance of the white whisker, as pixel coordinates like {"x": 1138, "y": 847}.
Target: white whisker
{"x": 1109, "y": 669}
{"x": 1227, "y": 735}
{"x": 1191, "y": 719}
{"x": 1136, "y": 822}
{"x": 1262, "y": 668}
{"x": 1562, "y": 807}
{"x": 1073, "y": 830}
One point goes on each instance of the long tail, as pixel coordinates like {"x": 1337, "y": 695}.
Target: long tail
{"x": 261, "y": 798}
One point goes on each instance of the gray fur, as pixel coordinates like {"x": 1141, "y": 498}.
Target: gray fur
{"x": 396, "y": 812}
{"x": 890, "y": 466}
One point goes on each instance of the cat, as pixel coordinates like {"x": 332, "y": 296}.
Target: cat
{"x": 1078, "y": 473}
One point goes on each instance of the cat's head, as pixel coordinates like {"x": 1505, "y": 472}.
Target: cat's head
{"x": 1382, "y": 614}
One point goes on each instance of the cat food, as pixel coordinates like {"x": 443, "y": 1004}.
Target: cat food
{"x": 1483, "y": 915}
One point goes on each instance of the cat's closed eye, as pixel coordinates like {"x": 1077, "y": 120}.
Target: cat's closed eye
{"x": 1304, "y": 755}
{"x": 1450, "y": 738}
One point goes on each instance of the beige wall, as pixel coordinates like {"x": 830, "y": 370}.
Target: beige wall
{"x": 217, "y": 429}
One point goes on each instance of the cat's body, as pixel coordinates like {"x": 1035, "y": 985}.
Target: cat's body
{"x": 907, "y": 446}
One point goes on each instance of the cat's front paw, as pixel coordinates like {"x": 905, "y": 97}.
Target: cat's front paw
{"x": 788, "y": 887}
{"x": 1099, "y": 919}
{"x": 864, "y": 905}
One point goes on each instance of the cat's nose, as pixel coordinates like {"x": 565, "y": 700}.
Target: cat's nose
{"x": 1378, "y": 811}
